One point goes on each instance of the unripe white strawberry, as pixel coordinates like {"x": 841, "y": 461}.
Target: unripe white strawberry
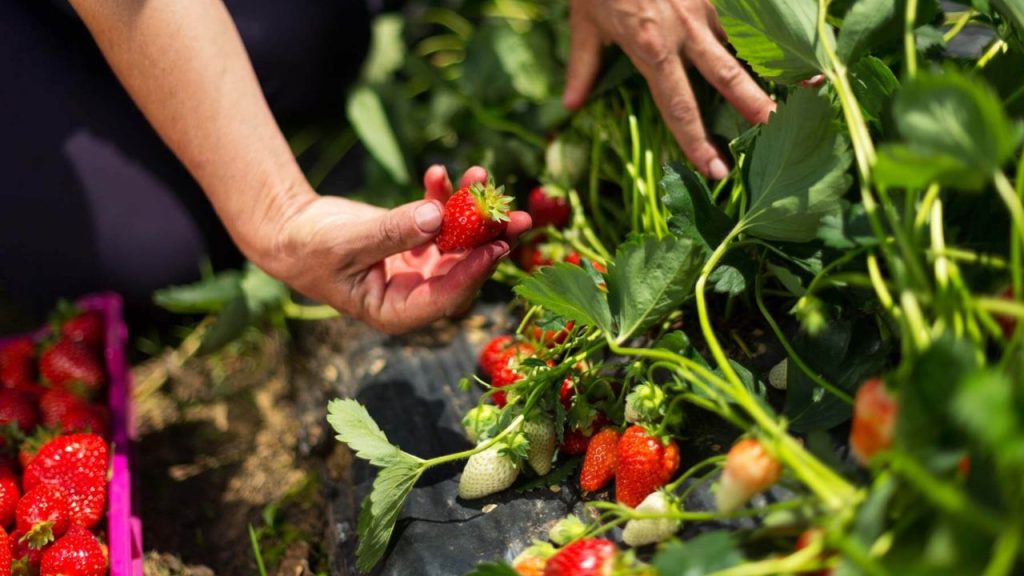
{"x": 644, "y": 403}
{"x": 567, "y": 529}
{"x": 541, "y": 434}
{"x": 650, "y": 531}
{"x": 749, "y": 470}
{"x": 487, "y": 473}
{"x": 779, "y": 374}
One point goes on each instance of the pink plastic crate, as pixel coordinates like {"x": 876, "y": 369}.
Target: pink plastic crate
{"x": 124, "y": 529}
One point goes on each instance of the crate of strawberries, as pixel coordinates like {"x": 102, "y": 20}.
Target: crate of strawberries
{"x": 65, "y": 428}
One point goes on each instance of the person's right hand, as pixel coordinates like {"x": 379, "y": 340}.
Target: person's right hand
{"x": 658, "y": 35}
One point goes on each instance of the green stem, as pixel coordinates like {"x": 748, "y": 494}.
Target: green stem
{"x": 996, "y": 48}
{"x": 711, "y": 461}
{"x": 1004, "y": 556}
{"x": 512, "y": 427}
{"x": 959, "y": 25}
{"x": 909, "y": 46}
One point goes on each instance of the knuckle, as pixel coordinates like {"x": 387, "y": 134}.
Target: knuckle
{"x": 389, "y": 230}
{"x": 729, "y": 75}
{"x": 682, "y": 110}
{"x": 652, "y": 47}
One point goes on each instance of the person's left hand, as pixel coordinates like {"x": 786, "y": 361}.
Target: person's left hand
{"x": 382, "y": 266}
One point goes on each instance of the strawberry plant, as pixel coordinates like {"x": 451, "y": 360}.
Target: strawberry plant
{"x": 873, "y": 229}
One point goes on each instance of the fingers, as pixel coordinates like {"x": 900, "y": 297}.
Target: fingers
{"x": 475, "y": 175}
{"x": 440, "y": 296}
{"x": 584, "y": 60}
{"x": 518, "y": 223}
{"x": 728, "y": 76}
{"x": 397, "y": 230}
{"x": 674, "y": 97}
{"x": 436, "y": 183}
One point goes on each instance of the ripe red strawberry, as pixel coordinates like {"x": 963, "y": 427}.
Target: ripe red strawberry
{"x": 548, "y": 206}
{"x": 506, "y": 371}
{"x": 17, "y": 364}
{"x": 492, "y": 353}
{"x": 874, "y": 418}
{"x": 66, "y": 458}
{"x": 644, "y": 465}
{"x": 5, "y": 554}
{"x": 574, "y": 442}
{"x": 43, "y": 515}
{"x": 9, "y": 495}
{"x": 551, "y": 338}
{"x": 575, "y": 258}
{"x": 85, "y": 418}
{"x": 55, "y": 403}
{"x": 77, "y": 553}
{"x": 749, "y": 470}
{"x": 87, "y": 501}
{"x": 18, "y": 410}
{"x": 86, "y": 329}
{"x": 25, "y": 560}
{"x": 587, "y": 557}
{"x": 567, "y": 392}
{"x": 534, "y": 254}
{"x": 600, "y": 462}
{"x": 71, "y": 367}
{"x": 473, "y": 216}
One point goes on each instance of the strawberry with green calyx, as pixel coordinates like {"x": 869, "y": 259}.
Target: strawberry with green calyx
{"x": 43, "y": 515}
{"x": 749, "y": 470}
{"x": 25, "y": 560}
{"x": 548, "y": 206}
{"x": 874, "y": 418}
{"x": 508, "y": 369}
{"x": 77, "y": 463}
{"x": 588, "y": 557}
{"x": 532, "y": 560}
{"x": 601, "y": 459}
{"x": 480, "y": 421}
{"x": 10, "y": 495}
{"x": 77, "y": 553}
{"x": 492, "y": 470}
{"x": 567, "y": 529}
{"x": 473, "y": 216}
{"x": 645, "y": 403}
{"x": 541, "y": 435}
{"x": 72, "y": 367}
{"x": 17, "y": 410}
{"x": 645, "y": 463}
{"x": 641, "y": 532}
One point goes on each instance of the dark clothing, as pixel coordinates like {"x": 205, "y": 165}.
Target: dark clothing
{"x": 91, "y": 198}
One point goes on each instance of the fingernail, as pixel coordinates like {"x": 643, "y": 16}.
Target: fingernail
{"x": 428, "y": 217}
{"x": 717, "y": 169}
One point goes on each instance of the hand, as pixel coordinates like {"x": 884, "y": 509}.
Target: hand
{"x": 381, "y": 266}
{"x": 657, "y": 35}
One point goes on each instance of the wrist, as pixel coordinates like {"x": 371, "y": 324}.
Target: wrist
{"x": 259, "y": 230}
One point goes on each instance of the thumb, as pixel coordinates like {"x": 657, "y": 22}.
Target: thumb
{"x": 584, "y": 63}
{"x": 397, "y": 230}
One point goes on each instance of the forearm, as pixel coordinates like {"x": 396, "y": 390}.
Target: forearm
{"x": 185, "y": 66}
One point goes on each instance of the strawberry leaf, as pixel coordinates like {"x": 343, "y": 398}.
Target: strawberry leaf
{"x": 778, "y": 38}
{"x": 357, "y": 429}
{"x": 797, "y": 170}
{"x": 649, "y": 278}
{"x": 704, "y": 554}
{"x": 380, "y": 510}
{"x": 568, "y": 291}
{"x": 208, "y": 295}
{"x": 370, "y": 121}
{"x": 493, "y": 569}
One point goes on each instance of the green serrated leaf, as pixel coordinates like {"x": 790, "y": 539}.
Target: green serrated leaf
{"x": 570, "y": 292}
{"x": 208, "y": 295}
{"x": 848, "y": 229}
{"x": 380, "y": 511}
{"x": 648, "y": 279}
{"x": 874, "y": 85}
{"x": 778, "y": 38}
{"x": 493, "y": 569}
{"x": 368, "y": 118}
{"x": 230, "y": 324}
{"x": 702, "y": 555}
{"x": 877, "y": 25}
{"x": 954, "y": 131}
{"x": 797, "y": 170}
{"x": 356, "y": 428}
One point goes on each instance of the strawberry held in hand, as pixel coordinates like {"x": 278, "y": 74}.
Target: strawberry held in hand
{"x": 473, "y": 216}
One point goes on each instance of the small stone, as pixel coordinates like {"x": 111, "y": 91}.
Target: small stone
{"x": 555, "y": 488}
{"x": 488, "y": 508}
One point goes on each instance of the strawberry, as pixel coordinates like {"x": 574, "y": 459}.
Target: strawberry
{"x": 644, "y": 402}
{"x": 541, "y": 435}
{"x": 588, "y": 557}
{"x": 600, "y": 462}
{"x": 645, "y": 464}
{"x": 531, "y": 561}
{"x": 749, "y": 470}
{"x": 548, "y": 207}
{"x": 566, "y": 392}
{"x": 575, "y": 258}
{"x": 574, "y": 442}
{"x": 473, "y": 216}
{"x": 779, "y": 375}
{"x": 9, "y": 495}
{"x": 506, "y": 371}
{"x": 86, "y": 329}
{"x": 55, "y": 403}
{"x": 651, "y": 530}
{"x": 487, "y": 473}
{"x": 71, "y": 367}
{"x": 17, "y": 364}
{"x": 492, "y": 353}
{"x": 25, "y": 560}
{"x": 67, "y": 458}
{"x": 568, "y": 529}
{"x": 874, "y": 417}
{"x": 479, "y": 420}
{"x": 43, "y": 515}
{"x": 17, "y": 410}
{"x": 551, "y": 338}
{"x": 87, "y": 501}
{"x": 85, "y": 418}
{"x": 5, "y": 553}
{"x": 77, "y": 553}
{"x": 533, "y": 255}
